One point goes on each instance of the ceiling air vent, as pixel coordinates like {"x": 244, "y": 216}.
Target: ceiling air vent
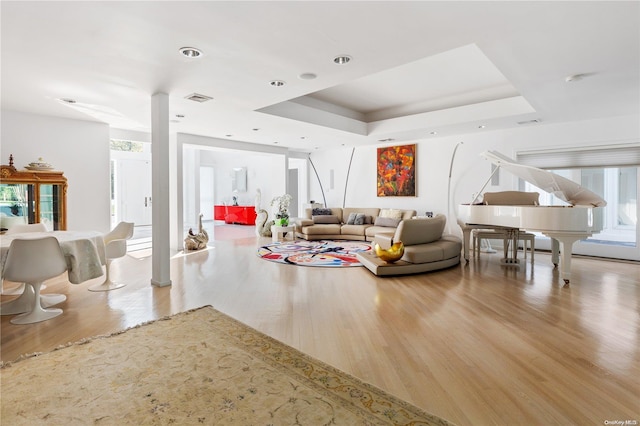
{"x": 198, "y": 97}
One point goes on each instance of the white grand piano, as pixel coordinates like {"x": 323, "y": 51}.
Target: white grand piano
{"x": 563, "y": 224}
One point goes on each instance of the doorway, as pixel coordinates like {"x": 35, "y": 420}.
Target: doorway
{"x": 131, "y": 190}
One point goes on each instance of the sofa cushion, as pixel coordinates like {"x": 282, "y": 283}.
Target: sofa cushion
{"x": 393, "y": 213}
{"x": 320, "y": 212}
{"x": 374, "y": 230}
{"x": 352, "y": 230}
{"x": 351, "y": 219}
{"x": 356, "y": 219}
{"x": 322, "y": 229}
{"x": 304, "y": 222}
{"x": 367, "y": 211}
{"x": 433, "y": 252}
{"x": 325, "y": 218}
{"x": 337, "y": 211}
{"x": 387, "y": 221}
{"x": 420, "y": 231}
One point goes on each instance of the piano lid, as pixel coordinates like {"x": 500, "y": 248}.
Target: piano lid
{"x": 557, "y": 185}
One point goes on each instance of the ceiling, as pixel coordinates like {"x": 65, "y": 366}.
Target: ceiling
{"x": 418, "y": 69}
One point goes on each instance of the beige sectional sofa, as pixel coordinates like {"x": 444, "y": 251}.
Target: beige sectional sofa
{"x": 426, "y": 248}
{"x": 336, "y": 224}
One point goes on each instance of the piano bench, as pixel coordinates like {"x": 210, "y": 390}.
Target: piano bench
{"x": 496, "y": 234}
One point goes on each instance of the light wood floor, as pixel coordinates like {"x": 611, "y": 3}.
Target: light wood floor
{"x": 477, "y": 344}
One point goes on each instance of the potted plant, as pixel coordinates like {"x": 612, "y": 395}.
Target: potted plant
{"x": 281, "y": 204}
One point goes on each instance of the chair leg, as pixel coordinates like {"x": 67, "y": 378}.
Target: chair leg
{"x": 474, "y": 238}
{"x": 20, "y": 305}
{"x": 16, "y": 291}
{"x": 532, "y": 245}
{"x": 37, "y": 313}
{"x": 107, "y": 285}
{"x": 24, "y": 302}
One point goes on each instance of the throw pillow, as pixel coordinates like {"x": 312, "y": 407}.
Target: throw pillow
{"x": 393, "y": 213}
{"x": 325, "y": 218}
{"x": 368, "y": 220}
{"x": 320, "y": 212}
{"x": 359, "y": 219}
{"x": 387, "y": 221}
{"x": 351, "y": 219}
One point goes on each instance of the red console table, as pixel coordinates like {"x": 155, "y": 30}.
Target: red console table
{"x": 243, "y": 215}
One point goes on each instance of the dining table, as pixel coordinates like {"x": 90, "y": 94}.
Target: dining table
{"x": 84, "y": 251}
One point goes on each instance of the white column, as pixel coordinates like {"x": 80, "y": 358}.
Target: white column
{"x": 160, "y": 167}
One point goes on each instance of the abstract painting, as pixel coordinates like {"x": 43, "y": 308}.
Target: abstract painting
{"x": 397, "y": 171}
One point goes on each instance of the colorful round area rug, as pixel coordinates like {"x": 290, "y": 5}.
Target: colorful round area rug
{"x": 334, "y": 253}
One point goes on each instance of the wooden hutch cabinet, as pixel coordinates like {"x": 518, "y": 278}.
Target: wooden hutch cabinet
{"x": 33, "y": 196}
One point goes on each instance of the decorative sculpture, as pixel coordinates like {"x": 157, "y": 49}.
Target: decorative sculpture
{"x": 258, "y": 200}
{"x": 263, "y": 226}
{"x": 196, "y": 241}
{"x": 391, "y": 254}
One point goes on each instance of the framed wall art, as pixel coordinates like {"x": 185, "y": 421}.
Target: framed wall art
{"x": 397, "y": 171}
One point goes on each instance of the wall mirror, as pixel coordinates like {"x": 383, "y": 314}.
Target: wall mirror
{"x": 239, "y": 179}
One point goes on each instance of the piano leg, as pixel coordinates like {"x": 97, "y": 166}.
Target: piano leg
{"x": 566, "y": 241}
{"x": 555, "y": 252}
{"x": 466, "y": 233}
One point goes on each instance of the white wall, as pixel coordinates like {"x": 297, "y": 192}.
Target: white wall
{"x": 264, "y": 171}
{"x": 79, "y": 148}
{"x": 469, "y": 170}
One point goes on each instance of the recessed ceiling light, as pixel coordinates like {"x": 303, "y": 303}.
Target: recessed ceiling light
{"x": 255, "y": 129}
{"x": 433, "y": 133}
{"x": 174, "y": 121}
{"x": 386, "y": 140}
{"x": 482, "y": 126}
{"x": 179, "y": 115}
{"x": 228, "y": 136}
{"x": 307, "y": 76}
{"x": 191, "y": 52}
{"x": 67, "y": 100}
{"x": 342, "y": 59}
{"x": 303, "y": 137}
{"x": 276, "y": 142}
{"x": 277, "y": 83}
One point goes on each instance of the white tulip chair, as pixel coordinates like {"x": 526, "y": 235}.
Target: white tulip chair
{"x": 23, "y": 302}
{"x": 33, "y": 261}
{"x": 115, "y": 246}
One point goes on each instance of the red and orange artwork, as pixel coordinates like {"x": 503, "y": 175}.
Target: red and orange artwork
{"x": 397, "y": 171}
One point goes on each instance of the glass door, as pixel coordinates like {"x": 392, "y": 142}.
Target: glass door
{"x": 15, "y": 204}
{"x": 50, "y": 210}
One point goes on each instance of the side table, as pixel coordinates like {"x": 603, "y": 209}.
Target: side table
{"x": 281, "y": 232}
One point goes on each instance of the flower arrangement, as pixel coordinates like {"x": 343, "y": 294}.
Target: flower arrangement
{"x": 281, "y": 203}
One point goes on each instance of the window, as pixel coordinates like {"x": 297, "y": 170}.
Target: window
{"x": 618, "y": 186}
{"x": 611, "y": 172}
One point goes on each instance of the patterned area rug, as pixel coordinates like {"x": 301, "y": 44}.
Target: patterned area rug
{"x": 335, "y": 253}
{"x": 197, "y": 367}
